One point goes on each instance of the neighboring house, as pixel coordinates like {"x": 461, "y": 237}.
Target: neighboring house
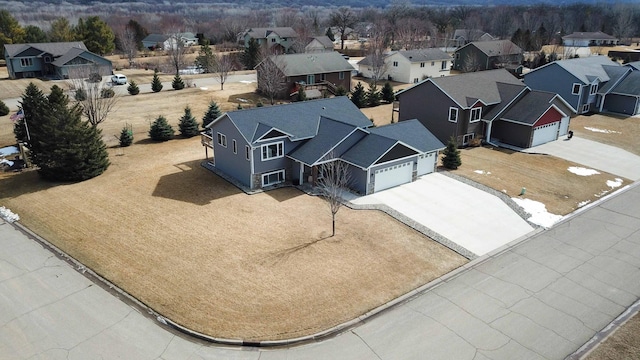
{"x": 62, "y": 60}
{"x": 266, "y": 146}
{"x": 166, "y": 42}
{"x": 626, "y": 56}
{"x": 488, "y": 55}
{"x": 591, "y": 84}
{"x": 493, "y": 105}
{"x": 409, "y": 66}
{"x": 316, "y": 71}
{"x": 462, "y": 37}
{"x": 582, "y": 39}
{"x": 274, "y": 40}
{"x": 319, "y": 44}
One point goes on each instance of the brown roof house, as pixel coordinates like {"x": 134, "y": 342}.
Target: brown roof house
{"x": 488, "y": 55}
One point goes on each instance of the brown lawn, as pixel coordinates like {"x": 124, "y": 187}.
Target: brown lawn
{"x": 614, "y": 130}
{"x": 624, "y": 343}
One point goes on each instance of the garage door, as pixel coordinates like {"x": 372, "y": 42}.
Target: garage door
{"x": 564, "y": 126}
{"x": 426, "y": 163}
{"x": 545, "y": 133}
{"x": 393, "y": 176}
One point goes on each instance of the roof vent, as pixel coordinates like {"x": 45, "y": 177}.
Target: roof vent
{"x": 324, "y": 108}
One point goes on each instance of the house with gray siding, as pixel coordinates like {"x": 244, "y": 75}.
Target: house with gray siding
{"x": 61, "y": 60}
{"x": 266, "y": 146}
{"x": 488, "y": 55}
{"x": 490, "y": 105}
{"x": 271, "y": 40}
{"x": 591, "y": 84}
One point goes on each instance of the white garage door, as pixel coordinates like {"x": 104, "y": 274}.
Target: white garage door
{"x": 426, "y": 163}
{"x": 564, "y": 126}
{"x": 393, "y": 176}
{"x": 545, "y": 133}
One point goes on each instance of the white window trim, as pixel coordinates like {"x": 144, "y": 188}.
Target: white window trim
{"x": 451, "y": 110}
{"x": 416, "y": 80}
{"x": 586, "y": 107}
{"x": 266, "y": 175}
{"x": 28, "y": 61}
{"x": 279, "y": 145}
{"x": 234, "y": 145}
{"x": 573, "y": 88}
{"x": 594, "y": 89}
{"x": 476, "y": 110}
{"x": 222, "y": 139}
{"x": 247, "y": 152}
{"x": 468, "y": 137}
{"x": 395, "y": 64}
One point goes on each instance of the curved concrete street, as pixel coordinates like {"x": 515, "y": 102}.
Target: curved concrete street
{"x": 539, "y": 299}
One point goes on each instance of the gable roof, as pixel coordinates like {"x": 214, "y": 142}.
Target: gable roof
{"x": 368, "y": 150}
{"x": 616, "y": 73}
{"x": 598, "y": 35}
{"x": 530, "y": 107}
{"x": 495, "y": 47}
{"x": 508, "y": 93}
{"x": 156, "y": 38}
{"x": 468, "y": 88}
{"x": 635, "y": 65}
{"x": 585, "y": 69}
{"x": 311, "y": 63}
{"x": 421, "y": 55}
{"x": 262, "y": 33}
{"x": 299, "y": 120}
{"x": 330, "y": 133}
{"x": 55, "y": 49}
{"x": 630, "y": 85}
{"x": 323, "y": 40}
{"x": 70, "y": 55}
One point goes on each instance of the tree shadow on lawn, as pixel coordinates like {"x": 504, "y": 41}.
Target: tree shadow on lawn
{"x": 193, "y": 184}
{"x": 14, "y": 184}
{"x": 284, "y": 194}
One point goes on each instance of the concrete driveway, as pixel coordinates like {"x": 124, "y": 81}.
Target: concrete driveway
{"x": 467, "y": 216}
{"x": 594, "y": 155}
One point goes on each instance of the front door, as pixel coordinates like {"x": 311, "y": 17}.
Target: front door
{"x": 311, "y": 79}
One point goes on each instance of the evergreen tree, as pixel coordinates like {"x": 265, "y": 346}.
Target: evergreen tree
{"x": 251, "y": 54}
{"x": 34, "y": 34}
{"x": 61, "y": 31}
{"x": 156, "y": 84}
{"x": 451, "y": 159}
{"x": 188, "y": 124}
{"x": 33, "y": 102}
{"x": 4, "y": 109}
{"x": 387, "y": 93}
{"x": 10, "y": 31}
{"x": 126, "y": 137}
{"x": 206, "y": 61}
{"x": 302, "y": 95}
{"x": 341, "y": 91}
{"x": 133, "y": 88}
{"x": 358, "y": 96}
{"x": 373, "y": 96}
{"x": 177, "y": 83}
{"x": 161, "y": 130}
{"x": 96, "y": 35}
{"x": 213, "y": 112}
{"x": 106, "y": 93}
{"x": 64, "y": 147}
{"x": 330, "y": 35}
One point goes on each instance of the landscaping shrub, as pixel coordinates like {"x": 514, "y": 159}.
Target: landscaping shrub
{"x": 358, "y": 96}
{"x": 213, "y": 112}
{"x": 188, "y": 124}
{"x": 126, "y": 137}
{"x": 451, "y": 159}
{"x": 133, "y": 88}
{"x": 177, "y": 82}
{"x": 156, "y": 84}
{"x": 107, "y": 93}
{"x": 4, "y": 109}
{"x": 80, "y": 95}
{"x": 387, "y": 93}
{"x": 161, "y": 130}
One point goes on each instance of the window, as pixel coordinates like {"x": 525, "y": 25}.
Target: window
{"x": 273, "y": 178}
{"x": 395, "y": 63}
{"x": 457, "y": 56}
{"x": 235, "y": 146}
{"x": 453, "y": 114}
{"x": 576, "y": 89}
{"x": 273, "y": 40}
{"x": 433, "y": 63}
{"x": 222, "y": 140}
{"x": 466, "y": 138}
{"x": 323, "y": 77}
{"x": 443, "y": 66}
{"x": 594, "y": 89}
{"x": 26, "y": 62}
{"x": 247, "y": 152}
{"x": 475, "y": 114}
{"x": 421, "y": 64}
{"x": 586, "y": 107}
{"x": 341, "y": 75}
{"x": 272, "y": 151}
{"x": 47, "y": 59}
{"x": 311, "y": 79}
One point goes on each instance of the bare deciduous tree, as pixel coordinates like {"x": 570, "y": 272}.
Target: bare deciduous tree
{"x": 333, "y": 180}
{"x": 271, "y": 78}
{"x": 376, "y": 55}
{"x": 176, "y": 50}
{"x": 343, "y": 19}
{"x": 471, "y": 63}
{"x": 92, "y": 96}
{"x": 222, "y": 66}
{"x": 128, "y": 42}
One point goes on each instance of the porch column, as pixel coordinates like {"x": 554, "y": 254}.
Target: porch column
{"x": 301, "y": 180}
{"x": 488, "y": 133}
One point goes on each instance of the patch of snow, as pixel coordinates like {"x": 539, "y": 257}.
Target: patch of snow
{"x": 582, "y": 171}
{"x": 583, "y": 203}
{"x": 539, "y": 214}
{"x": 614, "y": 183}
{"x": 482, "y": 172}
{"x": 603, "y": 193}
{"x": 246, "y": 81}
{"x": 8, "y": 150}
{"x": 604, "y": 131}
{"x": 243, "y": 100}
{"x": 8, "y": 162}
{"x": 504, "y": 191}
{"x": 204, "y": 88}
{"x": 8, "y": 215}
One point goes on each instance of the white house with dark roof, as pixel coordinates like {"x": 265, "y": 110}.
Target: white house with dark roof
{"x": 583, "y": 39}
{"x": 169, "y": 41}
{"x": 266, "y": 146}
{"x": 462, "y": 37}
{"x": 409, "y": 66}
{"x": 61, "y": 60}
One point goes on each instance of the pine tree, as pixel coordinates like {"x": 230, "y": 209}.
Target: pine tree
{"x": 133, "y": 88}
{"x": 126, "y": 137}
{"x": 358, "y": 96}
{"x": 451, "y": 159}
{"x": 156, "y": 84}
{"x": 373, "y": 96}
{"x": 251, "y": 54}
{"x": 161, "y": 130}
{"x": 177, "y": 83}
{"x": 64, "y": 147}
{"x": 330, "y": 35}
{"x": 33, "y": 102}
{"x": 213, "y": 112}
{"x": 341, "y": 91}
{"x": 188, "y": 124}
{"x": 302, "y": 95}
{"x": 4, "y": 109}
{"x": 387, "y": 93}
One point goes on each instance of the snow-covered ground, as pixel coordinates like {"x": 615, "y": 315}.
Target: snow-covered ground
{"x": 539, "y": 214}
{"x": 8, "y": 150}
{"x": 582, "y": 171}
{"x": 604, "y": 131}
{"x": 8, "y": 215}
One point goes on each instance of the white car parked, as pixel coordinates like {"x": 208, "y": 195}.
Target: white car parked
{"x": 118, "y": 79}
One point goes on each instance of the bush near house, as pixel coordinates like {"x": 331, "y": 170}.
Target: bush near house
{"x": 161, "y": 130}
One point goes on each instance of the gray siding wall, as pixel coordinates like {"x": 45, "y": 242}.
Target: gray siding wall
{"x": 358, "y": 179}
{"x": 510, "y": 133}
{"x": 620, "y": 104}
{"x": 235, "y": 165}
{"x": 555, "y": 79}
{"x": 430, "y": 106}
{"x": 260, "y": 166}
{"x": 468, "y": 53}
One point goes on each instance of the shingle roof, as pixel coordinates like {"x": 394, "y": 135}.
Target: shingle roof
{"x": 530, "y": 107}
{"x": 421, "y": 55}
{"x": 70, "y": 55}
{"x": 497, "y": 47}
{"x": 508, "y": 92}
{"x": 586, "y": 68}
{"x": 598, "y": 35}
{"x": 368, "y": 150}
{"x": 300, "y": 120}
{"x": 411, "y": 132}
{"x": 466, "y": 89}
{"x": 630, "y": 85}
{"x": 330, "y": 133}
{"x": 615, "y": 74}
{"x": 635, "y": 65}
{"x": 324, "y": 40}
{"x": 156, "y": 38}
{"x": 261, "y": 33}
{"x": 311, "y": 63}
{"x": 55, "y": 49}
